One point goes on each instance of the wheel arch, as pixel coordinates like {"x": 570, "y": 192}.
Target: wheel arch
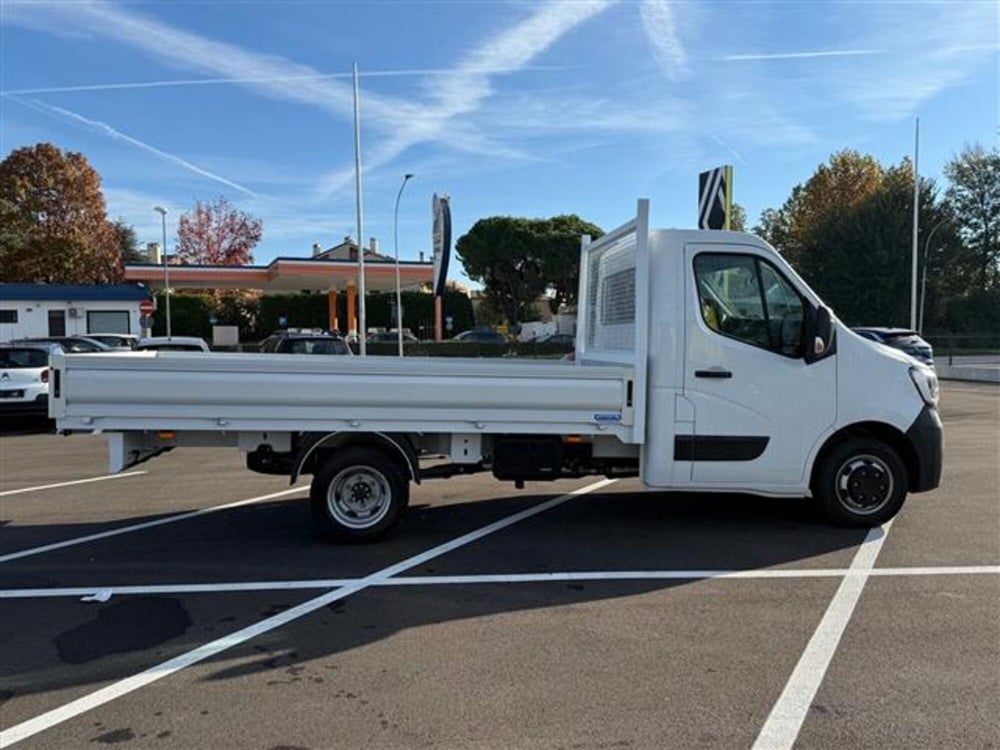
{"x": 395, "y": 444}
{"x": 880, "y": 431}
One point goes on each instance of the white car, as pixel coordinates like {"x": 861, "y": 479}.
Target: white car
{"x": 123, "y": 341}
{"x": 24, "y": 380}
{"x": 173, "y": 344}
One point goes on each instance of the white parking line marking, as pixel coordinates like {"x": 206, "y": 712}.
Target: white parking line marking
{"x": 8, "y": 493}
{"x": 785, "y": 720}
{"x": 144, "y": 525}
{"x": 466, "y": 580}
{"x": 49, "y": 719}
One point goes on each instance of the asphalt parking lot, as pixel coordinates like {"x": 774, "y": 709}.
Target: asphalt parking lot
{"x": 496, "y": 618}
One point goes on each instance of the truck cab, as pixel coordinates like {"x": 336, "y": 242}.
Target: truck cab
{"x": 750, "y": 383}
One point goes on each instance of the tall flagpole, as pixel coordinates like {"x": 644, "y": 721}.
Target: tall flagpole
{"x": 362, "y": 326}
{"x": 916, "y": 221}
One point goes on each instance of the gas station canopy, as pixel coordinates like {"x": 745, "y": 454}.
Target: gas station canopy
{"x": 285, "y": 275}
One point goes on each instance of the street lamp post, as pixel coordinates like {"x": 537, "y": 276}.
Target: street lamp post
{"x": 166, "y": 266}
{"x": 395, "y": 242}
{"x": 923, "y": 283}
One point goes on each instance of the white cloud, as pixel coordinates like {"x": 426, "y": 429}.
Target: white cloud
{"x": 465, "y": 89}
{"x": 459, "y": 92}
{"x": 664, "y": 37}
{"x": 899, "y": 56}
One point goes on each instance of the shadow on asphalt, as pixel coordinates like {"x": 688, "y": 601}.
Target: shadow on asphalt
{"x": 14, "y": 426}
{"x": 278, "y": 541}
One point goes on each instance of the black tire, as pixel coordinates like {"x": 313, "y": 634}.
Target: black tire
{"x": 861, "y": 482}
{"x": 359, "y": 494}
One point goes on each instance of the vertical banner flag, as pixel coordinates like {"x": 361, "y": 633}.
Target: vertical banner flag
{"x": 441, "y": 239}
{"x": 715, "y": 198}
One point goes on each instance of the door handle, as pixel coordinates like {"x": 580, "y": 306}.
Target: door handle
{"x": 715, "y": 372}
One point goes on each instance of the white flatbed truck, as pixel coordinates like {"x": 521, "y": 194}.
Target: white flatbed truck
{"x": 703, "y": 363}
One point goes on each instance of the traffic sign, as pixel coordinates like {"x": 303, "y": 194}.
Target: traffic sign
{"x": 715, "y": 198}
{"x": 146, "y": 307}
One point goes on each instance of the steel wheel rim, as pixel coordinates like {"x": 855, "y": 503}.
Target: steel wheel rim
{"x": 864, "y": 484}
{"x": 359, "y": 497}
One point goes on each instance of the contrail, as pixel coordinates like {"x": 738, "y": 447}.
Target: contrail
{"x": 803, "y": 55}
{"x": 266, "y": 79}
{"x": 118, "y": 135}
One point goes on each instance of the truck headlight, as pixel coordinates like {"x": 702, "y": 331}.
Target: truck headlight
{"x": 927, "y": 384}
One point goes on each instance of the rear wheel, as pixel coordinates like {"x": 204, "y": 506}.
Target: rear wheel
{"x": 862, "y": 482}
{"x": 359, "y": 494}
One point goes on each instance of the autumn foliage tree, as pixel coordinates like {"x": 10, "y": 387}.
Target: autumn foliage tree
{"x": 55, "y": 225}
{"x": 848, "y": 232}
{"x": 217, "y": 234}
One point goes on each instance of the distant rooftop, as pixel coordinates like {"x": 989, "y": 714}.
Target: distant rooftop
{"x": 72, "y": 292}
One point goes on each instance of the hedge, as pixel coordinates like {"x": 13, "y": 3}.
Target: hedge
{"x": 310, "y": 311}
{"x": 189, "y": 315}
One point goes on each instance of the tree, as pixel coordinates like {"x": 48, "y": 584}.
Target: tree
{"x": 519, "y": 259}
{"x": 217, "y": 234}
{"x": 738, "y": 221}
{"x": 833, "y": 190}
{"x": 55, "y": 226}
{"x": 973, "y": 198}
{"x": 128, "y": 242}
{"x": 847, "y": 231}
{"x": 13, "y": 233}
{"x": 502, "y": 253}
{"x": 559, "y": 245}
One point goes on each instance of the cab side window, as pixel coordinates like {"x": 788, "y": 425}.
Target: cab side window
{"x": 745, "y": 298}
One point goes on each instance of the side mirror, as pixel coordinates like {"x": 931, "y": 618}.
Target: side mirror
{"x": 819, "y": 335}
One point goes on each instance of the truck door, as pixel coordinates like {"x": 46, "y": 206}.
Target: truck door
{"x": 758, "y": 407}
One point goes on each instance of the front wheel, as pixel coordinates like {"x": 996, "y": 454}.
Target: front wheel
{"x": 359, "y": 494}
{"x": 861, "y": 482}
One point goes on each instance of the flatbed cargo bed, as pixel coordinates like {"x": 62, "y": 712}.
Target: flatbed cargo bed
{"x": 308, "y": 393}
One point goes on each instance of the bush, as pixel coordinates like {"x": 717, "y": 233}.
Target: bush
{"x": 189, "y": 315}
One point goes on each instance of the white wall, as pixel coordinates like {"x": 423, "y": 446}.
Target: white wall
{"x": 33, "y": 317}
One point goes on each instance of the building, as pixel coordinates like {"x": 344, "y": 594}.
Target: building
{"x": 332, "y": 272}
{"x": 33, "y": 310}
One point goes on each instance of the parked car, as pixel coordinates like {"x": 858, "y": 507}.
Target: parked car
{"x": 558, "y": 338}
{"x": 481, "y": 336}
{"x": 903, "y": 339}
{"x": 391, "y": 337}
{"x": 24, "y": 379}
{"x": 121, "y": 341}
{"x": 69, "y": 344}
{"x": 173, "y": 344}
{"x": 288, "y": 342}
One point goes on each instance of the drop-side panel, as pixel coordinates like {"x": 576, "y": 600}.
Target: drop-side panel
{"x": 181, "y": 391}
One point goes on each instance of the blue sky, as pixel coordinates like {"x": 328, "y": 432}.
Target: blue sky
{"x": 513, "y": 108}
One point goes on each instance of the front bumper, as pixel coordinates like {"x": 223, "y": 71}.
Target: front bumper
{"x": 926, "y": 437}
